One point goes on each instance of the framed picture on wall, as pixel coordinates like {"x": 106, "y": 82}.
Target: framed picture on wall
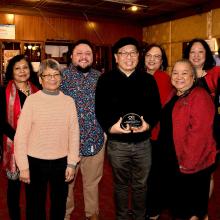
{"x": 7, "y": 55}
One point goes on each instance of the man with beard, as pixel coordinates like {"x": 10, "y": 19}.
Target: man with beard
{"x": 79, "y": 82}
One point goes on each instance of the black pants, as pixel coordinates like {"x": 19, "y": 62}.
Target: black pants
{"x": 42, "y": 173}
{"x": 154, "y": 188}
{"x": 13, "y": 199}
{"x": 130, "y": 164}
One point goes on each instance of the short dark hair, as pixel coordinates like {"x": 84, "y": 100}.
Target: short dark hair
{"x": 164, "y": 56}
{"x": 83, "y": 41}
{"x": 123, "y": 42}
{"x": 9, "y": 70}
{"x": 209, "y": 59}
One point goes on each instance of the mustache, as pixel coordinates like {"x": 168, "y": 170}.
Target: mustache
{"x": 85, "y": 69}
{"x": 84, "y": 60}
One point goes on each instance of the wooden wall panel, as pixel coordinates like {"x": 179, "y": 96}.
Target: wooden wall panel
{"x": 157, "y": 33}
{"x": 167, "y": 49}
{"x": 41, "y": 28}
{"x": 111, "y": 32}
{"x": 187, "y": 28}
{"x": 176, "y": 52}
{"x": 29, "y": 28}
{"x": 183, "y": 30}
{"x": 3, "y": 19}
{"x": 216, "y": 23}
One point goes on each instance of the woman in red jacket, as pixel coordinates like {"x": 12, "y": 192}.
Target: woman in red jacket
{"x": 208, "y": 74}
{"x": 188, "y": 146}
{"x": 155, "y": 60}
{"x": 200, "y": 55}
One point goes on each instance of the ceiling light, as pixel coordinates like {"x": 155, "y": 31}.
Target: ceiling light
{"x": 134, "y": 8}
{"x": 10, "y": 18}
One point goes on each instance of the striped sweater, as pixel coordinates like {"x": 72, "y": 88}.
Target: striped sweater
{"x": 47, "y": 129}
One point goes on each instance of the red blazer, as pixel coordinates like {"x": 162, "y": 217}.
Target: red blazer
{"x": 212, "y": 79}
{"x": 165, "y": 88}
{"x": 192, "y": 120}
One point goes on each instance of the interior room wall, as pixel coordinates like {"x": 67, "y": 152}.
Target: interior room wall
{"x": 41, "y": 28}
{"x": 172, "y": 34}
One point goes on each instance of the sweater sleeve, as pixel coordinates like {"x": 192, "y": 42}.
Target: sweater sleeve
{"x": 22, "y": 135}
{"x": 74, "y": 142}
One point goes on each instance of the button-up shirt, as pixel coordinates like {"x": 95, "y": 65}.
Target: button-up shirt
{"x": 81, "y": 87}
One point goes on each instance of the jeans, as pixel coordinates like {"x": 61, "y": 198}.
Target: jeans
{"x": 42, "y": 173}
{"x": 131, "y": 164}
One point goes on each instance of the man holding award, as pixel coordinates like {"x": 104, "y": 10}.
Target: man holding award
{"x": 127, "y": 107}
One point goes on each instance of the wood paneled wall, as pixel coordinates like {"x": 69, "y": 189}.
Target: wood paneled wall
{"x": 172, "y": 34}
{"x": 41, "y": 28}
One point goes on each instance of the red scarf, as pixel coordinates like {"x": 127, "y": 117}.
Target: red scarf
{"x": 13, "y": 109}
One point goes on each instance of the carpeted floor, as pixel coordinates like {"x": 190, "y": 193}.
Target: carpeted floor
{"x": 106, "y": 198}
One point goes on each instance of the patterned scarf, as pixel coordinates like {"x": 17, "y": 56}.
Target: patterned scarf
{"x": 13, "y": 109}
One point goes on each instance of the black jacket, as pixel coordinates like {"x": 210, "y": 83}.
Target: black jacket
{"x": 117, "y": 95}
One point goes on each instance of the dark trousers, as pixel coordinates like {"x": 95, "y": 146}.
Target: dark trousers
{"x": 42, "y": 174}
{"x": 154, "y": 188}
{"x": 13, "y": 199}
{"x": 130, "y": 164}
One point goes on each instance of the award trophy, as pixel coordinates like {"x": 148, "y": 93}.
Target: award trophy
{"x": 131, "y": 119}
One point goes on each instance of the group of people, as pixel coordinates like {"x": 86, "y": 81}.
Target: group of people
{"x": 160, "y": 132}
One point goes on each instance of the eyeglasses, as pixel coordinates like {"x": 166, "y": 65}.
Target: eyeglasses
{"x": 49, "y": 76}
{"x": 126, "y": 54}
{"x": 156, "y": 56}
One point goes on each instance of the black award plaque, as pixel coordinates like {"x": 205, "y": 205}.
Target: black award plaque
{"x": 131, "y": 119}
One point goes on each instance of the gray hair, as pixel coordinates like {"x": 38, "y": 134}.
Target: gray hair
{"x": 48, "y": 63}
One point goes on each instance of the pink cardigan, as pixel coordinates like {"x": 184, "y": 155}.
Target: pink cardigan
{"x": 192, "y": 120}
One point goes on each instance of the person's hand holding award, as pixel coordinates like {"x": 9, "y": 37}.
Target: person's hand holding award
{"x": 132, "y": 120}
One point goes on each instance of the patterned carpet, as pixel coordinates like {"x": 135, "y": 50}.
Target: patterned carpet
{"x": 106, "y": 198}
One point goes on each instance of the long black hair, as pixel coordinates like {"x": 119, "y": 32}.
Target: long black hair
{"x": 9, "y": 70}
{"x": 209, "y": 59}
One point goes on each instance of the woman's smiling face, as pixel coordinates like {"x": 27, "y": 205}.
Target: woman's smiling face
{"x": 182, "y": 77}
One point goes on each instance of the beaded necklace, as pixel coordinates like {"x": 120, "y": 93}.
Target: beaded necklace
{"x": 26, "y": 91}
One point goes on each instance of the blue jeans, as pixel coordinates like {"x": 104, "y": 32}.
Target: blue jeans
{"x": 131, "y": 164}
{"x": 42, "y": 174}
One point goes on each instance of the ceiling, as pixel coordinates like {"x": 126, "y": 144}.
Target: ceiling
{"x": 151, "y": 11}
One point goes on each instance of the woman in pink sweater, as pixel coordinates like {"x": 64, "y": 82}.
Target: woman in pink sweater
{"x": 47, "y": 144}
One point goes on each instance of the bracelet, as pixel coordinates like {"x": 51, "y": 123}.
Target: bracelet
{"x": 73, "y": 166}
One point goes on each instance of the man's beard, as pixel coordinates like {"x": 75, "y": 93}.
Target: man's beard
{"x": 84, "y": 69}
